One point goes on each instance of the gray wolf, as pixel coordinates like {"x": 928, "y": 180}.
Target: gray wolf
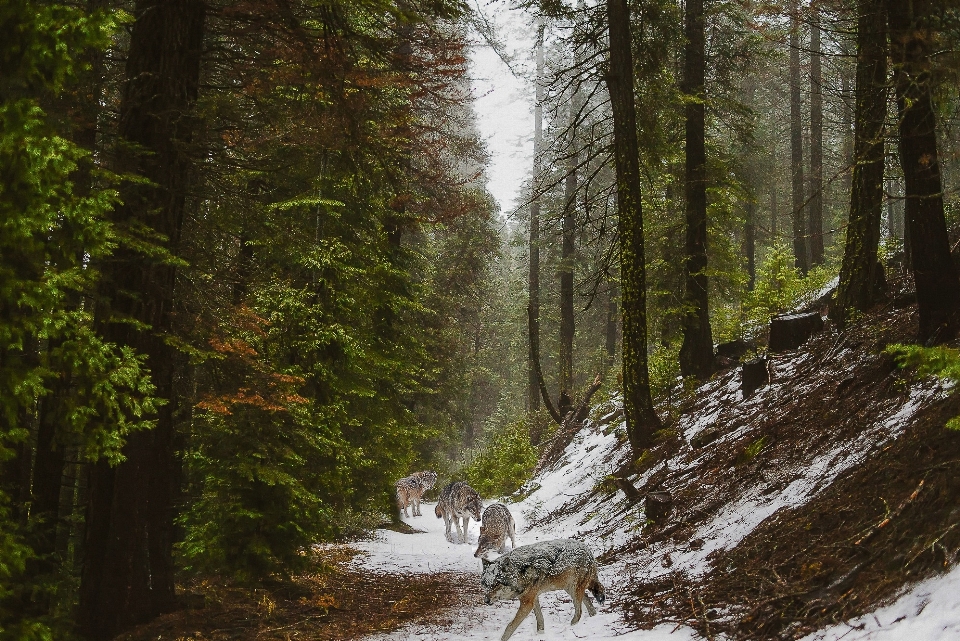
{"x": 458, "y": 501}
{"x": 410, "y": 490}
{"x": 497, "y": 525}
{"x": 562, "y": 564}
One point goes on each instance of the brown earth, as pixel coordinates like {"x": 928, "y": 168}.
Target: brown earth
{"x": 892, "y": 519}
{"x": 334, "y": 602}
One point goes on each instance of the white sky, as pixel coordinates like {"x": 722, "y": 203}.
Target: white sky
{"x": 504, "y": 103}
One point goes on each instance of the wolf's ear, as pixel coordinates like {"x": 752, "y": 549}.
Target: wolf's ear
{"x": 485, "y": 562}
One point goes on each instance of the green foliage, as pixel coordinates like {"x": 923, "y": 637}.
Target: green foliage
{"x": 943, "y": 362}
{"x": 349, "y": 352}
{"x": 503, "y": 462}
{"x": 752, "y": 450}
{"x": 779, "y": 287}
{"x": 51, "y": 229}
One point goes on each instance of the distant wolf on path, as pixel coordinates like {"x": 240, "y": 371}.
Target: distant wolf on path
{"x": 563, "y": 564}
{"x": 410, "y": 490}
{"x": 497, "y": 525}
{"x": 458, "y": 501}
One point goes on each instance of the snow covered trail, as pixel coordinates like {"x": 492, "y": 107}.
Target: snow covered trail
{"x": 429, "y": 551}
{"x": 563, "y": 503}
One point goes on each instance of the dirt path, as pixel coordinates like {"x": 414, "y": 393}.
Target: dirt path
{"x": 340, "y": 601}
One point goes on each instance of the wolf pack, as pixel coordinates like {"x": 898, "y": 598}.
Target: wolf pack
{"x": 525, "y": 571}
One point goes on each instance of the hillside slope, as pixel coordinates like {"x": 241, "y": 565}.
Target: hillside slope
{"x": 782, "y": 499}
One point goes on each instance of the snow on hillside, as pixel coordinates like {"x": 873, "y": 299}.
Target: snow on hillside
{"x": 927, "y": 611}
{"x": 570, "y": 500}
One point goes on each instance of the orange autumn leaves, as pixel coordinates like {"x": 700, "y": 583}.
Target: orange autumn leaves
{"x": 262, "y": 387}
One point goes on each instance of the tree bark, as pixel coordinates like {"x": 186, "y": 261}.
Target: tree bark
{"x": 642, "y": 419}
{"x": 568, "y": 251}
{"x": 696, "y": 353}
{"x": 612, "y": 316}
{"x": 938, "y": 288}
{"x": 856, "y": 290}
{"x": 533, "y": 283}
{"x": 773, "y": 211}
{"x": 750, "y": 243}
{"x": 128, "y": 568}
{"x": 816, "y": 140}
{"x": 534, "y": 330}
{"x": 800, "y": 245}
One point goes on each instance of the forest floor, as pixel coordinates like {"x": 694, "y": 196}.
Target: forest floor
{"x": 825, "y": 506}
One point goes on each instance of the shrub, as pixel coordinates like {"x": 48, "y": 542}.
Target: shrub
{"x": 943, "y": 362}
{"x": 503, "y": 462}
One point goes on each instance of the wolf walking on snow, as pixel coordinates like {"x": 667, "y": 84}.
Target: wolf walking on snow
{"x": 458, "y": 501}
{"x": 497, "y": 525}
{"x": 562, "y": 564}
{"x": 410, "y": 490}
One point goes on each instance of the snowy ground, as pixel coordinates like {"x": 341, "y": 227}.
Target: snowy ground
{"x": 430, "y": 552}
{"x": 926, "y": 611}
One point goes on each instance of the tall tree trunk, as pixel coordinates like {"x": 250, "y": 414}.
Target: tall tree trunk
{"x": 568, "y": 251}
{"x": 816, "y": 140}
{"x": 938, "y": 288}
{"x": 750, "y": 243}
{"x": 642, "y": 419}
{"x": 773, "y": 210}
{"x": 857, "y": 273}
{"x": 128, "y": 569}
{"x": 696, "y": 353}
{"x": 50, "y": 462}
{"x": 533, "y": 284}
{"x": 891, "y": 214}
{"x": 612, "y": 316}
{"x": 800, "y": 244}
{"x": 848, "y": 134}
{"x": 47, "y": 476}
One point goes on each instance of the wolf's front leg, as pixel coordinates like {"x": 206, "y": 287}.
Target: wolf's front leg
{"x": 526, "y": 604}
{"x": 537, "y": 612}
{"x": 589, "y": 603}
{"x": 466, "y": 522}
{"x": 461, "y": 537}
{"x": 416, "y": 507}
{"x": 446, "y": 523}
{"x": 575, "y": 596}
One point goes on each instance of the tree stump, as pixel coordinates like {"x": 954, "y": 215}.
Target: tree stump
{"x": 658, "y": 505}
{"x": 793, "y": 330}
{"x": 730, "y": 353}
{"x": 880, "y": 287}
{"x": 754, "y": 374}
{"x": 705, "y": 437}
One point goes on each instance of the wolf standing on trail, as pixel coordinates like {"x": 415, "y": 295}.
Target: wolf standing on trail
{"x": 563, "y": 564}
{"x": 498, "y": 524}
{"x": 458, "y": 500}
{"x": 410, "y": 490}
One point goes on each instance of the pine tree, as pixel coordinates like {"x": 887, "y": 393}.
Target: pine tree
{"x": 642, "y": 420}
{"x": 856, "y": 290}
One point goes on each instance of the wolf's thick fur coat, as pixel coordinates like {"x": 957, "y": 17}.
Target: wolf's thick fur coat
{"x": 497, "y": 525}
{"x": 562, "y": 564}
{"x": 458, "y": 501}
{"x": 410, "y": 490}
